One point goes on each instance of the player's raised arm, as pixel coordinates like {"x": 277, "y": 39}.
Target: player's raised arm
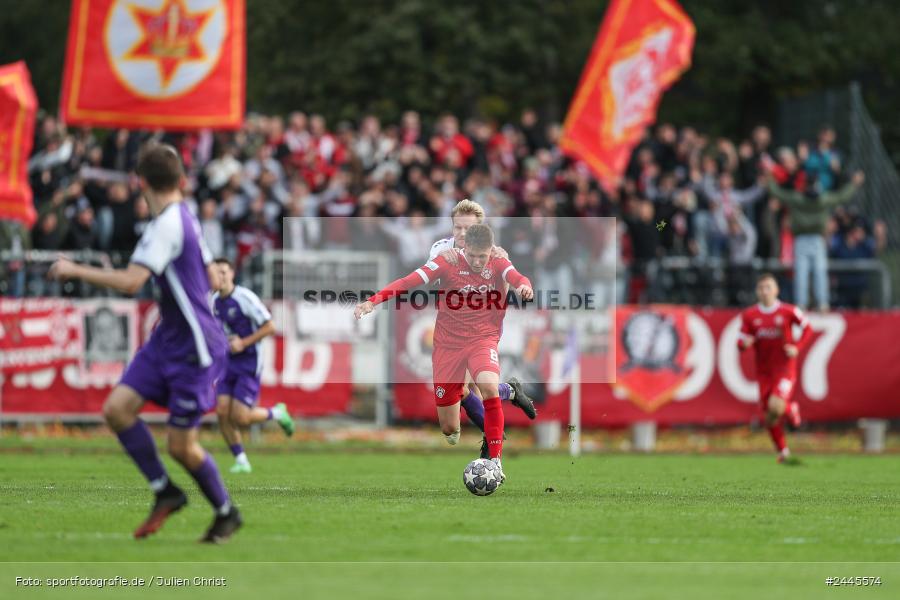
{"x": 427, "y": 273}
{"x": 160, "y": 244}
{"x": 126, "y": 281}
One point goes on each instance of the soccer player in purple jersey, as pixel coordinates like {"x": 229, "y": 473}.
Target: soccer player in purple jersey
{"x": 180, "y": 364}
{"x": 246, "y": 321}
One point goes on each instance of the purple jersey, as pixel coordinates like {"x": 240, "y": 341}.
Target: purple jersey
{"x": 242, "y": 313}
{"x": 172, "y": 248}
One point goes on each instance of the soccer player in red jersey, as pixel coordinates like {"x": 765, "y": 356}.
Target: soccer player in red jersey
{"x": 471, "y": 308}
{"x": 465, "y": 214}
{"x": 769, "y": 326}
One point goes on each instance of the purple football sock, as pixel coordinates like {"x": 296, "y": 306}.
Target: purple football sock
{"x": 210, "y": 482}
{"x": 474, "y": 410}
{"x": 138, "y": 443}
{"x": 237, "y": 449}
{"x": 504, "y": 392}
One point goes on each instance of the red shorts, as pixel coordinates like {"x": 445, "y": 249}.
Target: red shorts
{"x": 781, "y": 386}
{"x": 449, "y": 366}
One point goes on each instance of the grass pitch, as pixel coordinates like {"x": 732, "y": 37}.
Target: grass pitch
{"x": 372, "y": 524}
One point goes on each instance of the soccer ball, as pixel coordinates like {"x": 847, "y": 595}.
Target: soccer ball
{"x": 482, "y": 477}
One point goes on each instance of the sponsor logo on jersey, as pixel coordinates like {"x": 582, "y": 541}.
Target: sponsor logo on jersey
{"x": 769, "y": 333}
{"x": 481, "y": 289}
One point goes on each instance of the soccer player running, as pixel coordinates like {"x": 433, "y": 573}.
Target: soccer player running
{"x": 465, "y": 214}
{"x": 179, "y": 365}
{"x": 470, "y": 315}
{"x": 246, "y": 322}
{"x": 769, "y": 326}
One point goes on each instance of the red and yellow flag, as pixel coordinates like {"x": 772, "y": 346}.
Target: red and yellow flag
{"x": 173, "y": 64}
{"x": 642, "y": 48}
{"x": 18, "y": 106}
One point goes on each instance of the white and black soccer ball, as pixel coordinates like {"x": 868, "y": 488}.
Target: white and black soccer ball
{"x": 482, "y": 477}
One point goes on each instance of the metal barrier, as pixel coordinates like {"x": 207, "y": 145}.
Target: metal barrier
{"x": 290, "y": 275}
{"x": 715, "y": 282}
{"x": 673, "y": 279}
{"x": 25, "y": 274}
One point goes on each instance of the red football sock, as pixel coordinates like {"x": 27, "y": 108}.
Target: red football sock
{"x": 493, "y": 426}
{"x": 777, "y": 433}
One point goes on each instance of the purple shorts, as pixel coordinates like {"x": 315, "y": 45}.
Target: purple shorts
{"x": 187, "y": 391}
{"x": 240, "y": 386}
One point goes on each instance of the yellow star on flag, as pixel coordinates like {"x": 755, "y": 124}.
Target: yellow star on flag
{"x": 170, "y": 36}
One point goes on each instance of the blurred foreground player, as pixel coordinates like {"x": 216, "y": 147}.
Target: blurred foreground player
{"x": 465, "y": 214}
{"x": 471, "y": 308}
{"x": 180, "y": 364}
{"x": 769, "y": 326}
{"x": 246, "y": 321}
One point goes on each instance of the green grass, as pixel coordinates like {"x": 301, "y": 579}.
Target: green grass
{"x": 730, "y": 516}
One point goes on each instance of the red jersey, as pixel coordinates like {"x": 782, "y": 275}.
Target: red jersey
{"x": 471, "y": 305}
{"x": 770, "y": 329}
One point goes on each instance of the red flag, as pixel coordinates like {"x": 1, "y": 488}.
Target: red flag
{"x": 173, "y": 64}
{"x": 18, "y": 105}
{"x": 642, "y": 48}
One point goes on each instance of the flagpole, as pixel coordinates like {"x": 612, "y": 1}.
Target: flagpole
{"x": 575, "y": 410}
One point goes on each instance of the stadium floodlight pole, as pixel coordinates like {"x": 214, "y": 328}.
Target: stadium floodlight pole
{"x": 575, "y": 410}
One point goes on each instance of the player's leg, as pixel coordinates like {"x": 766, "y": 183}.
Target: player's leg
{"x": 448, "y": 369}
{"x": 225, "y": 408}
{"x": 448, "y": 417}
{"x": 246, "y": 412}
{"x": 489, "y": 382}
{"x": 143, "y": 380}
{"x": 780, "y": 410}
{"x": 802, "y": 261}
{"x": 473, "y": 404}
{"x": 184, "y": 446}
{"x": 775, "y": 407}
{"x": 484, "y": 362}
{"x": 513, "y": 391}
{"x": 193, "y": 392}
{"x": 820, "y": 274}
{"x": 121, "y": 412}
{"x": 231, "y": 434}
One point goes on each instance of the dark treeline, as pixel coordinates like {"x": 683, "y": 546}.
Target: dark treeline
{"x": 343, "y": 58}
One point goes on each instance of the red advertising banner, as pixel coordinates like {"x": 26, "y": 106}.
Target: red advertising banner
{"x": 688, "y": 370}
{"x": 18, "y": 107}
{"x": 101, "y": 335}
{"x": 642, "y": 47}
{"x": 38, "y": 334}
{"x": 173, "y": 64}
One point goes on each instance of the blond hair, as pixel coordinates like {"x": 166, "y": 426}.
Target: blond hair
{"x": 467, "y": 207}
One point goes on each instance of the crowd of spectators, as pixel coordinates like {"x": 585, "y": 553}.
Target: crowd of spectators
{"x": 683, "y": 194}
